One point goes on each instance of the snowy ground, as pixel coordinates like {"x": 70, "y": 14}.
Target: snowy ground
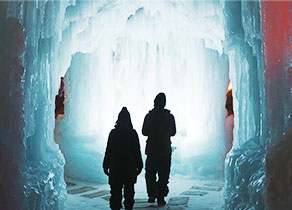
{"x": 184, "y": 193}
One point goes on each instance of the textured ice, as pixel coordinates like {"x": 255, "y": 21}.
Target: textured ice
{"x": 245, "y": 177}
{"x": 244, "y": 47}
{"x": 44, "y": 183}
{"x": 107, "y": 48}
{"x": 262, "y": 101}
{"x": 126, "y": 55}
{"x": 32, "y": 173}
{"x": 126, "y": 41}
{"x": 245, "y": 164}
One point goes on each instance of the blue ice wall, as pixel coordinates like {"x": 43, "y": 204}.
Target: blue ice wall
{"x": 258, "y": 45}
{"x": 244, "y": 47}
{"x": 245, "y": 172}
{"x": 78, "y": 134}
{"x": 32, "y": 168}
{"x": 245, "y": 177}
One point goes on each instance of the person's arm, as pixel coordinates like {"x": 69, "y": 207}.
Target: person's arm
{"x": 107, "y": 156}
{"x": 173, "y": 127}
{"x": 145, "y": 126}
{"x": 138, "y": 155}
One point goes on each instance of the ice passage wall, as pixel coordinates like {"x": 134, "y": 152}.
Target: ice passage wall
{"x": 244, "y": 170}
{"x": 260, "y": 32}
{"x": 31, "y": 172}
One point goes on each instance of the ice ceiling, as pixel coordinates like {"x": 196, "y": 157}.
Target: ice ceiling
{"x": 123, "y": 55}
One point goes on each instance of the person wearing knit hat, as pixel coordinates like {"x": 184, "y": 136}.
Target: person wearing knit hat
{"x": 160, "y": 100}
{"x": 122, "y": 161}
{"x": 159, "y": 126}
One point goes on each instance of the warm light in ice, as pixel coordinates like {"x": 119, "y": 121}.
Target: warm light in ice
{"x": 229, "y": 86}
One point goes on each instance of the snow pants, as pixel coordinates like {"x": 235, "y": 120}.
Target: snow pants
{"x": 157, "y": 165}
{"x": 116, "y": 196}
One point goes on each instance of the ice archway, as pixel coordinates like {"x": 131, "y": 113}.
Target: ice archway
{"x": 127, "y": 54}
{"x": 126, "y": 44}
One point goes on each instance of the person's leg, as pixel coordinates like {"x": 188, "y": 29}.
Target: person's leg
{"x": 116, "y": 197}
{"x": 129, "y": 193}
{"x": 151, "y": 170}
{"x": 163, "y": 176}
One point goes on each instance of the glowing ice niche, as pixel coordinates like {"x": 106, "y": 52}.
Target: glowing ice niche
{"x": 125, "y": 57}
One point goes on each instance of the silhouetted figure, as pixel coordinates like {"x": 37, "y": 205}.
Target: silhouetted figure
{"x": 122, "y": 161}
{"x": 159, "y": 126}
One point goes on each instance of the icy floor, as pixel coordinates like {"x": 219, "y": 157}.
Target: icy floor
{"x": 184, "y": 193}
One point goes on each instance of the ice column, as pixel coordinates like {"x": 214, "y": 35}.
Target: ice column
{"x": 245, "y": 163}
{"x": 244, "y": 47}
{"x": 252, "y": 170}
{"x": 32, "y": 174}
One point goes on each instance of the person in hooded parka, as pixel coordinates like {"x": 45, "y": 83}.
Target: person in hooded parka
{"x": 122, "y": 161}
{"x": 159, "y": 126}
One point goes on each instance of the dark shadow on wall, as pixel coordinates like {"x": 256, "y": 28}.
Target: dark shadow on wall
{"x": 60, "y": 100}
{"x": 12, "y": 46}
{"x": 229, "y": 121}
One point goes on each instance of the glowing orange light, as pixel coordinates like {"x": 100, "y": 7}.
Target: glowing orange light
{"x": 229, "y": 86}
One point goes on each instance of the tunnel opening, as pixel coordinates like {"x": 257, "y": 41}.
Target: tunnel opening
{"x": 127, "y": 64}
{"x": 144, "y": 53}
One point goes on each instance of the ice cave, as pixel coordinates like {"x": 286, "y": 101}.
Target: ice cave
{"x": 69, "y": 66}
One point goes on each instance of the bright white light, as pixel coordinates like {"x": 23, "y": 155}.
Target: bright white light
{"x": 133, "y": 52}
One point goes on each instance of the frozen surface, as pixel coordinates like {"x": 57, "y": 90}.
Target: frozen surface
{"x": 44, "y": 183}
{"x": 31, "y": 172}
{"x": 78, "y": 134}
{"x": 245, "y": 164}
{"x": 245, "y": 177}
{"x": 244, "y": 48}
{"x": 178, "y": 185}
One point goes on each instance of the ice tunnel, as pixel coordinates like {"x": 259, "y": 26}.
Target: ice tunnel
{"x": 122, "y": 53}
{"x": 145, "y": 51}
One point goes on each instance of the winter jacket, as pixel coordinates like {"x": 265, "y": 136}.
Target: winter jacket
{"x": 159, "y": 126}
{"x": 123, "y": 156}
